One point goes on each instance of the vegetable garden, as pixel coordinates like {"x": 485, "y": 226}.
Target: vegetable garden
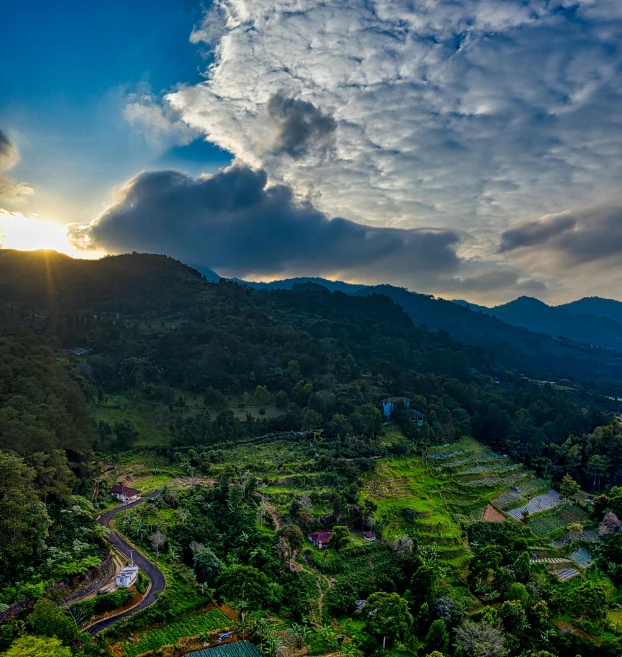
{"x": 170, "y": 633}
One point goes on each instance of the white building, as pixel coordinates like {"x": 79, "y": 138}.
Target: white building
{"x": 125, "y": 493}
{"x": 127, "y": 576}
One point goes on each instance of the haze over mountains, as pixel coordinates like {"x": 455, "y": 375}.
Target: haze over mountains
{"x": 590, "y": 320}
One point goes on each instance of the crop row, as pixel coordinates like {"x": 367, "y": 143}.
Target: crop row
{"x": 213, "y": 619}
{"x": 546, "y": 525}
{"x": 240, "y": 649}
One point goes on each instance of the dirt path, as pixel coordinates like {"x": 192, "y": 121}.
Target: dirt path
{"x": 322, "y": 582}
{"x": 274, "y": 514}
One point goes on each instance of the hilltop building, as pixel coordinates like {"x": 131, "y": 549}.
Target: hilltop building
{"x": 125, "y": 494}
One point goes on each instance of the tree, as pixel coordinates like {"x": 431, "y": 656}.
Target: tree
{"x": 262, "y": 396}
{"x": 569, "y": 487}
{"x": 438, "y": 637}
{"x": 293, "y": 535}
{"x": 589, "y": 602}
{"x": 24, "y": 521}
{"x": 517, "y": 591}
{"x": 480, "y": 640}
{"x": 207, "y": 567}
{"x": 388, "y": 616}
{"x": 157, "y": 540}
{"x": 311, "y": 420}
{"x": 244, "y": 586}
{"x": 37, "y": 646}
{"x": 48, "y": 620}
{"x": 340, "y": 537}
{"x": 513, "y": 616}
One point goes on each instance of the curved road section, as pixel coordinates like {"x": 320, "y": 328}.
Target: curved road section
{"x": 157, "y": 578}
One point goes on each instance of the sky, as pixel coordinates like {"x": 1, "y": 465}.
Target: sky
{"x": 465, "y": 148}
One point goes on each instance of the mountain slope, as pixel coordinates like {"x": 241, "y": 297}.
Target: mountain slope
{"x": 289, "y": 283}
{"x": 514, "y": 346}
{"x": 537, "y": 316}
{"x": 596, "y": 306}
{"x": 131, "y": 283}
{"x": 557, "y": 321}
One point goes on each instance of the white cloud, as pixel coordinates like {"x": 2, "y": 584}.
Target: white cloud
{"x": 156, "y": 119}
{"x": 466, "y": 115}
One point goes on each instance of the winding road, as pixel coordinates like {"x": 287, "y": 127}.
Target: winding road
{"x": 157, "y": 578}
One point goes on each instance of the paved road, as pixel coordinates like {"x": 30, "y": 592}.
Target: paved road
{"x": 155, "y": 575}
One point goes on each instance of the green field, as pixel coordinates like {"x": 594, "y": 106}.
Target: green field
{"x": 431, "y": 496}
{"x": 170, "y": 633}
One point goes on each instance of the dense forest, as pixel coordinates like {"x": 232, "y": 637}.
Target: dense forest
{"x": 138, "y": 357}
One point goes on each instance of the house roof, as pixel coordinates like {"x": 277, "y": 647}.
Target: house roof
{"x": 394, "y": 400}
{"x": 124, "y": 490}
{"x": 320, "y": 537}
{"x": 369, "y": 534}
{"x": 128, "y": 570}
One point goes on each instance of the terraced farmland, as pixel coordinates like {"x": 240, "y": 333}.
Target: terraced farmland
{"x": 540, "y": 503}
{"x": 170, "y": 633}
{"x": 453, "y": 485}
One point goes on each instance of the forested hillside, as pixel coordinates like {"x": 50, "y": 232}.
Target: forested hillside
{"x": 544, "y": 356}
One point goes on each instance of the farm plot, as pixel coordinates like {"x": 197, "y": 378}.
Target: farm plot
{"x": 582, "y": 558}
{"x": 546, "y": 525}
{"x": 240, "y": 649}
{"x": 536, "y": 505}
{"x": 518, "y": 497}
{"x": 567, "y": 539}
{"x": 170, "y": 633}
{"x": 570, "y": 514}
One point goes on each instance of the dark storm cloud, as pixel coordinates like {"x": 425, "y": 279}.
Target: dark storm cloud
{"x": 535, "y": 233}
{"x": 8, "y": 153}
{"x": 302, "y": 126}
{"x": 234, "y": 223}
{"x": 571, "y": 238}
{"x": 11, "y": 190}
{"x": 5, "y": 145}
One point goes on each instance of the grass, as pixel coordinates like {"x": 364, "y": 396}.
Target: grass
{"x": 150, "y": 420}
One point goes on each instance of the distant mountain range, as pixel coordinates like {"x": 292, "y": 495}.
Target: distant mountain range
{"x": 524, "y": 333}
{"x": 591, "y": 320}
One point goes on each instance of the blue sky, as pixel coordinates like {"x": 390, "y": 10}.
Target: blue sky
{"x": 466, "y": 148}
{"x": 63, "y": 93}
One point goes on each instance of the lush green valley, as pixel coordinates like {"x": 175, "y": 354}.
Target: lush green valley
{"x": 254, "y": 418}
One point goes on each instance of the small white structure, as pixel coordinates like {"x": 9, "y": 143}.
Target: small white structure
{"x": 127, "y": 576}
{"x": 125, "y": 493}
{"x": 79, "y": 351}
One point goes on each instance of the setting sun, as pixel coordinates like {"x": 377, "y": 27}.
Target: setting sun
{"x": 29, "y": 233}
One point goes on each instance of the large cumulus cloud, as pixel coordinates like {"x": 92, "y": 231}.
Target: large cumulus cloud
{"x": 11, "y": 191}
{"x": 470, "y": 115}
{"x": 237, "y": 224}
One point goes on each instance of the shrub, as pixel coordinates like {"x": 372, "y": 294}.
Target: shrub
{"x": 517, "y": 591}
